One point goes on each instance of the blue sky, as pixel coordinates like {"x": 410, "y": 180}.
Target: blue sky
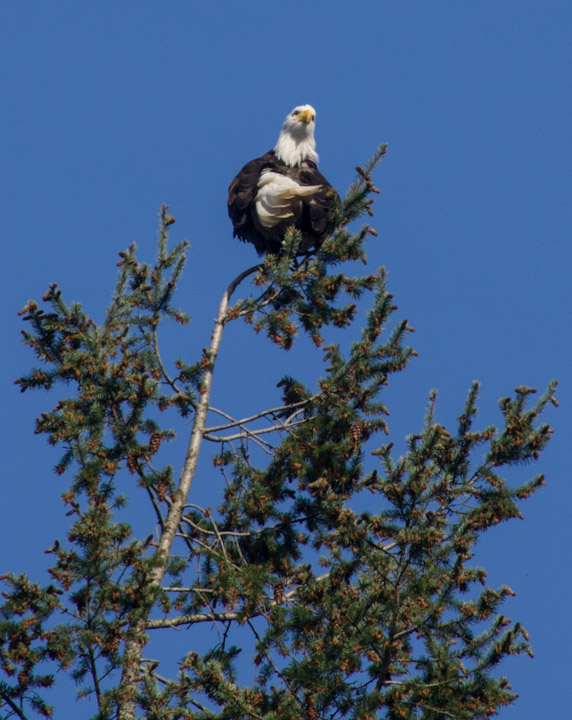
{"x": 110, "y": 109}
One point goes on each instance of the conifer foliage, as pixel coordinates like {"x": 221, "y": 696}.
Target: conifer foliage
{"x": 330, "y": 579}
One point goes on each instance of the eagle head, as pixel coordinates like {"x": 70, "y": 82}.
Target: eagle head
{"x": 296, "y": 140}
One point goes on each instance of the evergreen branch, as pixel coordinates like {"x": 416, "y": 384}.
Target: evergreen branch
{"x": 438, "y": 710}
{"x": 244, "y": 308}
{"x": 282, "y": 676}
{"x": 8, "y": 700}
{"x": 370, "y": 165}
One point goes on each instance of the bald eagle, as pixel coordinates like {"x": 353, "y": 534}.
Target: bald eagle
{"x": 283, "y": 187}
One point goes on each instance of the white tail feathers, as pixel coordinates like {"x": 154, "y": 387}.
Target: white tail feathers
{"x": 279, "y": 198}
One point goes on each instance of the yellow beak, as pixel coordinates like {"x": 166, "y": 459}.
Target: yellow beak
{"x": 305, "y": 116}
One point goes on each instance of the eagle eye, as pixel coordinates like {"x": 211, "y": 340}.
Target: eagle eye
{"x": 295, "y": 112}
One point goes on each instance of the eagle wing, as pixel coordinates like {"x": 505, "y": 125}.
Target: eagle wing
{"x": 318, "y": 210}
{"x": 241, "y": 194}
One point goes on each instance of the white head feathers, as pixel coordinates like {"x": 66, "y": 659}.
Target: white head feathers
{"x": 296, "y": 140}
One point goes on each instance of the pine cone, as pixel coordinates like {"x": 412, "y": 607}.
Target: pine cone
{"x": 111, "y": 643}
{"x": 356, "y": 433}
{"x": 154, "y": 443}
{"x": 311, "y": 712}
{"x": 162, "y": 487}
{"x": 132, "y": 463}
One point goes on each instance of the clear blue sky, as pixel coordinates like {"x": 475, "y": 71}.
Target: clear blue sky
{"x": 111, "y": 108}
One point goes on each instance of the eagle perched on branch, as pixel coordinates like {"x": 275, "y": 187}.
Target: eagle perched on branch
{"x": 283, "y": 188}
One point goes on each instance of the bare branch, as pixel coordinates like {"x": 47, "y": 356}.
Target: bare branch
{"x": 264, "y": 413}
{"x": 193, "y": 618}
{"x": 252, "y": 433}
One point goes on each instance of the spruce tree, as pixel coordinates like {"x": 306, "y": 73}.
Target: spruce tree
{"x": 331, "y": 578}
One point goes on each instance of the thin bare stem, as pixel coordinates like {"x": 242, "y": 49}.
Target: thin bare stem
{"x": 166, "y": 375}
{"x": 252, "y": 433}
{"x": 244, "y": 421}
